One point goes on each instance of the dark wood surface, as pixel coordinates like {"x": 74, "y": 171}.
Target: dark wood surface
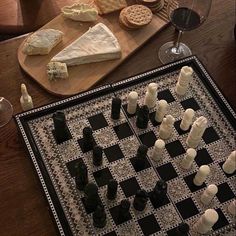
{"x": 24, "y": 210}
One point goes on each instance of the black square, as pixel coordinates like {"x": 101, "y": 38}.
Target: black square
{"x": 145, "y": 166}
{"x": 149, "y": 225}
{"x": 148, "y": 138}
{"x": 187, "y": 208}
{"x": 157, "y": 204}
{"x": 113, "y": 153}
{"x": 166, "y": 95}
{"x": 129, "y": 115}
{"x": 61, "y": 141}
{"x": 152, "y": 119}
{"x": 98, "y": 121}
{"x": 115, "y": 215}
{"x": 224, "y": 192}
{"x": 175, "y": 148}
{"x": 81, "y": 144}
{"x": 178, "y": 129}
{"x": 123, "y": 131}
{"x": 210, "y": 135}
{"x": 174, "y": 232}
{"x": 203, "y": 157}
{"x": 190, "y": 103}
{"x": 130, "y": 186}
{"x": 227, "y": 175}
{"x": 189, "y": 181}
{"x": 167, "y": 171}
{"x": 102, "y": 177}
{"x": 72, "y": 166}
{"x": 222, "y": 221}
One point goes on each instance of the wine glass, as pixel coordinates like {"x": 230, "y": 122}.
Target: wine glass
{"x": 6, "y": 111}
{"x": 185, "y": 15}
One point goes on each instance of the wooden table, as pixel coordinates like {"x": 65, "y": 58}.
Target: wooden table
{"x": 24, "y": 210}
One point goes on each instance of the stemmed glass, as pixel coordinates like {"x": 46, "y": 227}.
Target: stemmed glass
{"x": 185, "y": 15}
{"x": 6, "y": 111}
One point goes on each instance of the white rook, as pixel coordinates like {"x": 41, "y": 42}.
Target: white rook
{"x": 187, "y": 161}
{"x": 166, "y": 127}
{"x": 187, "y": 119}
{"x": 206, "y": 221}
{"x": 151, "y": 95}
{"x": 201, "y": 175}
{"x": 198, "y": 128}
{"x": 230, "y": 164}
{"x": 161, "y": 110}
{"x": 158, "y": 150}
{"x": 185, "y": 76}
{"x": 132, "y": 102}
{"x": 232, "y": 208}
{"x": 208, "y": 195}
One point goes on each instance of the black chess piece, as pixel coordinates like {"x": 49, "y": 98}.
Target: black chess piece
{"x": 182, "y": 229}
{"x": 88, "y": 140}
{"x": 140, "y": 158}
{"x": 112, "y": 189}
{"x": 142, "y": 117}
{"x": 81, "y": 178}
{"x": 140, "y": 200}
{"x": 61, "y": 130}
{"x": 97, "y": 155}
{"x": 91, "y": 199}
{"x": 99, "y": 217}
{"x": 115, "y": 108}
{"x": 124, "y": 210}
{"x": 159, "y": 192}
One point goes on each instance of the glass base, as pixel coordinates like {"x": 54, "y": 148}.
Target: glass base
{"x": 6, "y": 111}
{"x": 168, "y": 52}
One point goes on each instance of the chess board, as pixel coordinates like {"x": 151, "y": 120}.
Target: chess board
{"x": 55, "y": 163}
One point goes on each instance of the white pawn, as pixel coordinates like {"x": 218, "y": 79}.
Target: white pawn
{"x": 187, "y": 119}
{"x": 206, "y": 221}
{"x": 187, "y": 161}
{"x": 230, "y": 164}
{"x": 25, "y": 100}
{"x": 232, "y": 208}
{"x": 158, "y": 150}
{"x": 132, "y": 102}
{"x": 208, "y": 195}
{"x": 166, "y": 127}
{"x": 151, "y": 95}
{"x": 161, "y": 110}
{"x": 201, "y": 175}
{"x": 185, "y": 76}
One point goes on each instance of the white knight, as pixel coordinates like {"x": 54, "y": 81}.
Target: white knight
{"x": 166, "y": 127}
{"x": 185, "y": 77}
{"x": 187, "y": 161}
{"x": 151, "y": 95}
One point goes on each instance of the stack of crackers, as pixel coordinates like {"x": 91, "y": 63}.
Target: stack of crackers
{"x": 135, "y": 17}
{"x": 154, "y": 5}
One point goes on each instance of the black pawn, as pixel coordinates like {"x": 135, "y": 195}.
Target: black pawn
{"x": 88, "y": 140}
{"x": 97, "y": 155}
{"x": 142, "y": 117}
{"x": 159, "y": 191}
{"x": 99, "y": 217}
{"x": 91, "y": 199}
{"x": 140, "y": 158}
{"x": 140, "y": 200}
{"x": 61, "y": 130}
{"x": 182, "y": 229}
{"x": 115, "y": 108}
{"x": 112, "y": 189}
{"x": 124, "y": 210}
{"x": 81, "y": 178}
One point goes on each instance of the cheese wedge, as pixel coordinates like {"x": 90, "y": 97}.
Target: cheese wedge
{"x": 80, "y": 12}
{"x": 97, "y": 44}
{"x": 41, "y": 42}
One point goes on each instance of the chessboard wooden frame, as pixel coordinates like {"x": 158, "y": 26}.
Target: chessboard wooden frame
{"x": 22, "y": 120}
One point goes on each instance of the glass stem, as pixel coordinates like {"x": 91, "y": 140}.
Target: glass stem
{"x": 178, "y": 41}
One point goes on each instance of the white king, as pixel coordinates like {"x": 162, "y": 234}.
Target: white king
{"x": 185, "y": 76}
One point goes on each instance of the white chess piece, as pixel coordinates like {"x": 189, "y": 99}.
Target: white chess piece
{"x": 132, "y": 102}
{"x": 198, "y": 128}
{"x": 201, "y": 175}
{"x": 25, "y": 100}
{"x": 187, "y": 119}
{"x": 209, "y": 193}
{"x": 185, "y": 76}
{"x": 166, "y": 127}
{"x": 161, "y": 110}
{"x": 206, "y": 221}
{"x": 230, "y": 164}
{"x": 232, "y": 208}
{"x": 158, "y": 150}
{"x": 151, "y": 95}
{"x": 187, "y": 161}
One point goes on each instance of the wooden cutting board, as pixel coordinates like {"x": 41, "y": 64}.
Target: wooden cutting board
{"x": 83, "y": 77}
